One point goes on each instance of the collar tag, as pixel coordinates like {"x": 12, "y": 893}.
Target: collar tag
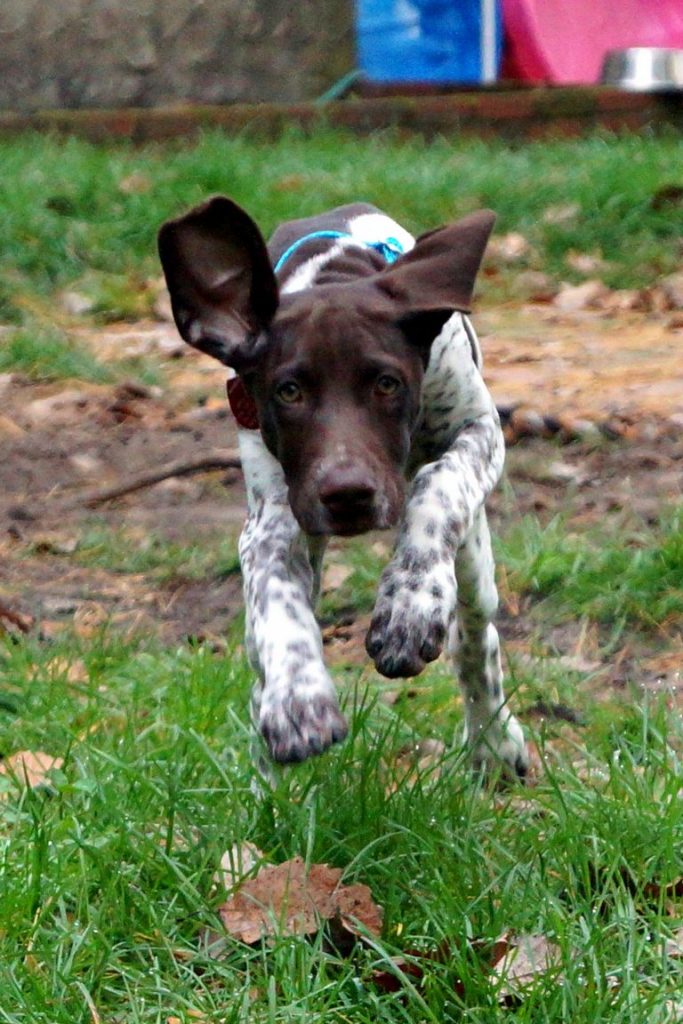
{"x": 242, "y": 404}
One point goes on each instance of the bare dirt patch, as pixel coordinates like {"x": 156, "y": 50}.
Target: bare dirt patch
{"x": 60, "y": 440}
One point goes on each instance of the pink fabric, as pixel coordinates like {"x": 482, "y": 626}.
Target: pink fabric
{"x": 564, "y": 41}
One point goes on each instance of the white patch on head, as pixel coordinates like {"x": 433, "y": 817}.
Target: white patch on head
{"x": 367, "y": 229}
{"x": 305, "y": 275}
{"x": 371, "y": 228}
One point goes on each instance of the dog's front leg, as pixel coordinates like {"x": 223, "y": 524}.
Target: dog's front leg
{"x": 417, "y": 595}
{"x": 294, "y": 702}
{"x": 444, "y": 529}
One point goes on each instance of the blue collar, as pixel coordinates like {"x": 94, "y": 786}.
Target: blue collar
{"x": 390, "y": 249}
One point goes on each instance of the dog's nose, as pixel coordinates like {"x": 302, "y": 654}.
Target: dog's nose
{"x": 347, "y": 491}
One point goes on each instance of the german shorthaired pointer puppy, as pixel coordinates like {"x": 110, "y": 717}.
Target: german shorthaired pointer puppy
{"x": 357, "y": 370}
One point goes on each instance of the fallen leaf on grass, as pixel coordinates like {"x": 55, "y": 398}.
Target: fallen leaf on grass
{"x": 664, "y": 890}
{"x": 674, "y": 1011}
{"x": 290, "y": 899}
{"x": 414, "y": 964}
{"x": 526, "y": 958}
{"x": 190, "y": 1015}
{"x": 63, "y": 669}
{"x": 236, "y": 863}
{"x": 30, "y": 767}
{"x": 673, "y": 947}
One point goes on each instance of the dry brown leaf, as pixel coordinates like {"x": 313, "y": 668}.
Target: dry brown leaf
{"x": 416, "y": 966}
{"x": 191, "y": 1014}
{"x": 30, "y": 767}
{"x": 289, "y": 899}
{"x": 673, "y": 947}
{"x": 236, "y": 863}
{"x": 394, "y": 979}
{"x": 527, "y": 958}
{"x": 674, "y": 1010}
{"x": 664, "y": 890}
{"x": 62, "y": 668}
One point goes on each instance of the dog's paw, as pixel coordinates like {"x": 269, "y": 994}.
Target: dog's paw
{"x": 499, "y": 744}
{"x": 297, "y": 726}
{"x": 410, "y": 622}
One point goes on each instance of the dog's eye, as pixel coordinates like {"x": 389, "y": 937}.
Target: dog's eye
{"x": 289, "y": 392}
{"x": 387, "y": 385}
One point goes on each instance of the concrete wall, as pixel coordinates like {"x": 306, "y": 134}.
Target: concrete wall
{"x": 113, "y": 53}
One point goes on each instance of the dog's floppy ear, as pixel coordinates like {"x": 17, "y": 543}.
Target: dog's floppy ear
{"x": 436, "y": 278}
{"x": 222, "y": 286}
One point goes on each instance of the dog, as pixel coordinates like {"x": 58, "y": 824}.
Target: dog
{"x": 361, "y": 406}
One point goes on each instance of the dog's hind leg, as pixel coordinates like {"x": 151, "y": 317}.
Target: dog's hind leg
{"x": 493, "y": 733}
{"x": 294, "y": 702}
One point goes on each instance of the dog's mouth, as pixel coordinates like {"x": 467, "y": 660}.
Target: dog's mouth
{"x": 352, "y": 526}
{"x": 344, "y": 521}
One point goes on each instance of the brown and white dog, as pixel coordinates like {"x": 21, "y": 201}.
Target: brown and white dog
{"x": 362, "y": 372}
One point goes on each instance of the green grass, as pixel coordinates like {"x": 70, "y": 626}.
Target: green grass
{"x": 359, "y": 590}
{"x": 46, "y": 353}
{"x": 69, "y": 216}
{"x": 125, "y": 552}
{"x": 107, "y": 880}
{"x": 635, "y": 577}
{"x": 42, "y": 351}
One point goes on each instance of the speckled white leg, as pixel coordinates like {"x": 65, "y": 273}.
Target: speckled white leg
{"x": 493, "y": 733}
{"x": 294, "y": 703}
{"x": 443, "y": 558}
{"x": 461, "y": 444}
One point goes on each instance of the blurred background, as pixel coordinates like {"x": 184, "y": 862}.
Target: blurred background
{"x": 81, "y": 53}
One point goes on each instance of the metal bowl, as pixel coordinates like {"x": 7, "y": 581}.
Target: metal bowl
{"x": 644, "y": 69}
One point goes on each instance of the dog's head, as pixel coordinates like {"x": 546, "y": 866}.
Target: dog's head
{"x": 335, "y": 370}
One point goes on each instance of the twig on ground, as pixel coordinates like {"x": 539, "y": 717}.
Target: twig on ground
{"x": 219, "y": 458}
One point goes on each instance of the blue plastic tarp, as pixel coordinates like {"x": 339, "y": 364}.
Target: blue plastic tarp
{"x": 438, "y": 41}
